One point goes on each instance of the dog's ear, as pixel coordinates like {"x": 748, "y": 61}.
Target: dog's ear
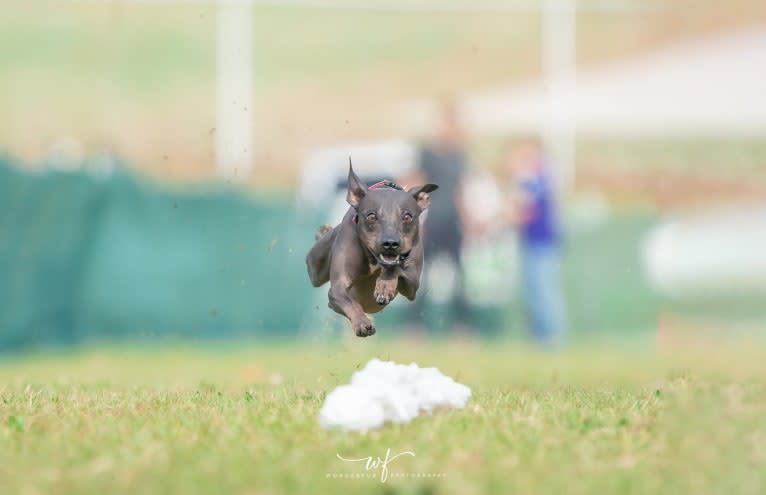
{"x": 420, "y": 194}
{"x": 356, "y": 190}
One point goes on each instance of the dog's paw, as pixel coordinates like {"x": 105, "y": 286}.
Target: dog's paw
{"x": 363, "y": 327}
{"x": 324, "y": 229}
{"x": 385, "y": 290}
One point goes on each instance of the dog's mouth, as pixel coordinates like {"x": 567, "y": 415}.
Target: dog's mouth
{"x": 392, "y": 259}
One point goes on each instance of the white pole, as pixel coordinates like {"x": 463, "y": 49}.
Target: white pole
{"x": 559, "y": 46}
{"x": 234, "y": 89}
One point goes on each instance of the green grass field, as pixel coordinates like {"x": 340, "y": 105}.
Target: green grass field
{"x": 243, "y": 420}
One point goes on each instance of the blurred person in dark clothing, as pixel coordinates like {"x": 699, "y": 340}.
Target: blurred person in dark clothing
{"x": 444, "y": 161}
{"x": 532, "y": 210}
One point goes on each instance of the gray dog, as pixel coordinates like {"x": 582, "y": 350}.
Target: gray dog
{"x": 374, "y": 254}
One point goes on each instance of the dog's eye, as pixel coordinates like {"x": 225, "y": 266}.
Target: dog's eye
{"x": 372, "y": 217}
{"x": 407, "y": 218}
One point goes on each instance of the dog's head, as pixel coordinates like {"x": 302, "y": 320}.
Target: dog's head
{"x": 388, "y": 219}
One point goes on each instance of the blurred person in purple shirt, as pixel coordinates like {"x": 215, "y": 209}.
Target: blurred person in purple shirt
{"x": 533, "y": 211}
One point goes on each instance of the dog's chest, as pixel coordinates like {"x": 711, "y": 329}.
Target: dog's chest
{"x": 373, "y": 267}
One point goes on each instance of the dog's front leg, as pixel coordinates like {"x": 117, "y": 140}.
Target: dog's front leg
{"x": 409, "y": 279}
{"x": 386, "y": 285}
{"x": 342, "y": 303}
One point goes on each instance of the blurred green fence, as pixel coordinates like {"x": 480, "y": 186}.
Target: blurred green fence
{"x": 99, "y": 254}
{"x": 84, "y": 255}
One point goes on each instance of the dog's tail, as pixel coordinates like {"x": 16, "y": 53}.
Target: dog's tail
{"x": 323, "y": 231}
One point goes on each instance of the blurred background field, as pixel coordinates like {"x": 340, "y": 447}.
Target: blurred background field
{"x": 116, "y": 222}
{"x": 112, "y": 74}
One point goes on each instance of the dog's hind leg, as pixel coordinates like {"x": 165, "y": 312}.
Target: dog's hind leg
{"x": 318, "y": 259}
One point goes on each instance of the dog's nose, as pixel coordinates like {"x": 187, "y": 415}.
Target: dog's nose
{"x": 391, "y": 245}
